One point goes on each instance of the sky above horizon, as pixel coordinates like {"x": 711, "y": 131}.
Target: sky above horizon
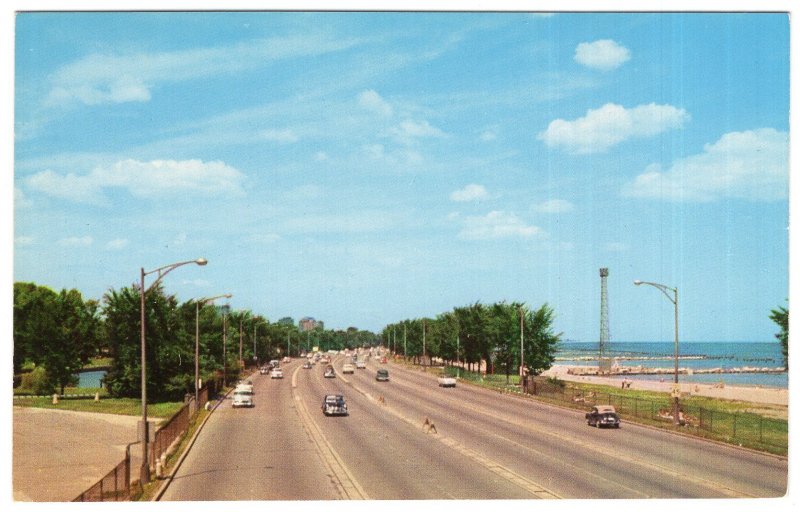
{"x": 365, "y": 168}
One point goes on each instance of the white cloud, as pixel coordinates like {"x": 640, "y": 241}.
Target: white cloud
{"x": 372, "y": 101}
{"x": 616, "y": 247}
{"x": 409, "y": 131}
{"x": 286, "y": 136}
{"x": 471, "y": 192}
{"x": 108, "y": 78}
{"x": 22, "y": 241}
{"x": 117, "y": 244}
{"x": 610, "y": 125}
{"x": 76, "y": 241}
{"x": 142, "y": 179}
{"x": 20, "y": 200}
{"x": 488, "y": 136}
{"x": 496, "y": 224}
{"x": 321, "y": 156}
{"x": 604, "y": 54}
{"x": 554, "y": 206}
{"x": 752, "y": 165}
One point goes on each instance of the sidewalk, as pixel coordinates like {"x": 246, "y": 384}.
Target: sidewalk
{"x": 59, "y": 454}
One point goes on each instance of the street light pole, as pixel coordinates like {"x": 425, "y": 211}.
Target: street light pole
{"x": 203, "y": 301}
{"x": 674, "y": 299}
{"x": 521, "y": 347}
{"x": 144, "y": 475}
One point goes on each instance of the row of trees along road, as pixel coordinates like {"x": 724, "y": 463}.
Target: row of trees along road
{"x": 480, "y": 332}
{"x": 59, "y": 333}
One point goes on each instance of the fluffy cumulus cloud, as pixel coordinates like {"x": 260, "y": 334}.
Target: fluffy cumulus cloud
{"x": 471, "y": 192}
{"x": 372, "y": 101}
{"x": 409, "y": 131}
{"x": 117, "y": 244}
{"x": 604, "y": 54}
{"x": 496, "y": 224}
{"x": 751, "y": 165}
{"x": 554, "y": 206}
{"x": 156, "y": 178}
{"x": 611, "y": 124}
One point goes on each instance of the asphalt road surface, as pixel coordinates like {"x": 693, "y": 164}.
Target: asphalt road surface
{"x": 485, "y": 446}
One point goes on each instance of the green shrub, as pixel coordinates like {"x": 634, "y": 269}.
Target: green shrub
{"x": 37, "y": 382}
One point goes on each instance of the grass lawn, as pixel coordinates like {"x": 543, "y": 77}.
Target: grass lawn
{"x": 127, "y": 406}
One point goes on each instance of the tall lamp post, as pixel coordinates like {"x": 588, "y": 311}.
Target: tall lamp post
{"x": 674, "y": 299}
{"x": 197, "y": 342}
{"x": 144, "y": 475}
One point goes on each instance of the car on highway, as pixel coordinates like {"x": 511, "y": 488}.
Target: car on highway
{"x": 307, "y": 365}
{"x": 329, "y": 372}
{"x": 287, "y": 359}
{"x": 263, "y": 370}
{"x": 334, "y": 405}
{"x": 348, "y": 368}
{"x": 384, "y": 360}
{"x": 242, "y": 398}
{"x": 602, "y": 416}
{"x": 276, "y": 373}
{"x": 445, "y": 381}
{"x": 382, "y": 375}
{"x": 360, "y": 365}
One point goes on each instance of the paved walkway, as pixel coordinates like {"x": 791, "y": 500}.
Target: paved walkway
{"x": 59, "y": 454}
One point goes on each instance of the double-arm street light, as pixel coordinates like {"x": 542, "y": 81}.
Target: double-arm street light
{"x": 198, "y": 303}
{"x": 674, "y": 299}
{"x": 161, "y": 271}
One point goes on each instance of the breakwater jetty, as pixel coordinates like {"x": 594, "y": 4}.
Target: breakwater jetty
{"x": 644, "y": 370}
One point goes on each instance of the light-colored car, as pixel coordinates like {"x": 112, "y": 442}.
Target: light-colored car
{"x": 329, "y": 372}
{"x": 242, "y": 398}
{"x": 446, "y": 381}
{"x": 334, "y": 405}
{"x": 307, "y": 365}
{"x": 286, "y": 359}
{"x": 360, "y": 365}
{"x": 348, "y": 368}
{"x": 276, "y": 373}
{"x": 245, "y": 386}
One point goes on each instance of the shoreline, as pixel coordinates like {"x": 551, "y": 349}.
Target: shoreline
{"x": 755, "y": 394}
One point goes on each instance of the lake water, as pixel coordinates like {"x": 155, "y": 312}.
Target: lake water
{"x": 90, "y": 379}
{"x": 693, "y": 355}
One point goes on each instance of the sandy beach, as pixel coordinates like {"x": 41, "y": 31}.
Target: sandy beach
{"x": 755, "y": 394}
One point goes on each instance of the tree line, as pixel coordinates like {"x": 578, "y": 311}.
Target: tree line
{"x": 478, "y": 332}
{"x": 58, "y": 333}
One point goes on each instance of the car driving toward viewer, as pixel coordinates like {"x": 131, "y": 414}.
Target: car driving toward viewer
{"x": 602, "y": 416}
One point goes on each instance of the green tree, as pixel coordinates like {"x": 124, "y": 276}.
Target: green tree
{"x": 35, "y": 322}
{"x": 167, "y": 341}
{"x": 781, "y": 317}
{"x": 541, "y": 343}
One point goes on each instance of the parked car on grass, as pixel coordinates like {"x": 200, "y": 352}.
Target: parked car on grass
{"x": 602, "y": 416}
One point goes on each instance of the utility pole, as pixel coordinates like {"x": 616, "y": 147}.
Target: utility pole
{"x": 521, "y": 346}
{"x": 424, "y": 368}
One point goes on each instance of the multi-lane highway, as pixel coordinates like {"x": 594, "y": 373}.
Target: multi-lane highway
{"x": 485, "y": 446}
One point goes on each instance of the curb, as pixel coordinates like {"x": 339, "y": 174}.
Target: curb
{"x": 167, "y": 480}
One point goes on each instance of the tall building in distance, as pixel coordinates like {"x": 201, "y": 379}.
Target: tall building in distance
{"x": 603, "y": 361}
{"x": 309, "y": 324}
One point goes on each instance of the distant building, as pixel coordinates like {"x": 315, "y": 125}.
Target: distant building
{"x": 309, "y": 324}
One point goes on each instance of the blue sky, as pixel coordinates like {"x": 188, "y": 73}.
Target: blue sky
{"x": 363, "y": 168}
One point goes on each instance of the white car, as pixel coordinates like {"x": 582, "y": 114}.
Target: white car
{"x": 242, "y": 398}
{"x": 447, "y": 382}
{"x": 276, "y": 373}
{"x": 286, "y": 359}
{"x": 361, "y": 365}
{"x": 348, "y": 368}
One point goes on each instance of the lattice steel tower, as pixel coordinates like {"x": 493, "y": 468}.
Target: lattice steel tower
{"x": 603, "y": 362}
